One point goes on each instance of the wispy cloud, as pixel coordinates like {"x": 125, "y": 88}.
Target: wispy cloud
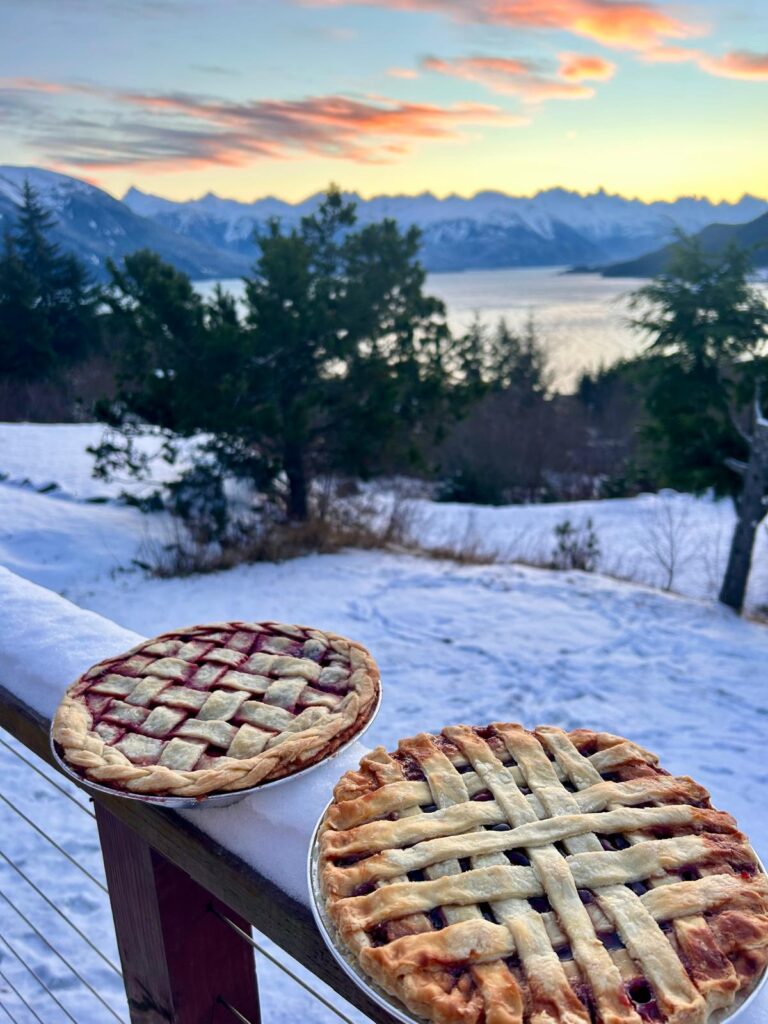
{"x": 744, "y": 65}
{"x": 624, "y": 24}
{"x": 741, "y": 64}
{"x": 181, "y": 130}
{"x": 526, "y": 79}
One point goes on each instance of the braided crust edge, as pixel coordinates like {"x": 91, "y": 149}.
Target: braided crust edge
{"x": 85, "y": 750}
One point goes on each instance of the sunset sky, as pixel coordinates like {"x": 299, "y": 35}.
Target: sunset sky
{"x": 248, "y": 98}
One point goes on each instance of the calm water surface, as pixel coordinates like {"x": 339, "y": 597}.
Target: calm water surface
{"x": 582, "y": 318}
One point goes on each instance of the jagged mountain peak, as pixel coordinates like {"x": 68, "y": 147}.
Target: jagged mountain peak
{"x": 213, "y": 236}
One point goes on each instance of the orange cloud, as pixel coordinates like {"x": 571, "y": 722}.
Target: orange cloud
{"x": 579, "y": 67}
{"x": 523, "y": 78}
{"x": 624, "y": 24}
{"x": 742, "y": 64}
{"x": 179, "y": 130}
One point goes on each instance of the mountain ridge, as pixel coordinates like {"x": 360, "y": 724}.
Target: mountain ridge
{"x": 212, "y": 236}
{"x": 491, "y": 229}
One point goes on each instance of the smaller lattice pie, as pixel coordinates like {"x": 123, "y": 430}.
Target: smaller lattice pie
{"x": 216, "y": 708}
{"x": 498, "y": 876}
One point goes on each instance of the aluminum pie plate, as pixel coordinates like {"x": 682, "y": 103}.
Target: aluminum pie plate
{"x": 345, "y": 960}
{"x": 350, "y": 966}
{"x": 187, "y": 803}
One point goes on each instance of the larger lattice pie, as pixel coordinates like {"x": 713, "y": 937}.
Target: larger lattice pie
{"x": 216, "y": 708}
{"x": 495, "y": 876}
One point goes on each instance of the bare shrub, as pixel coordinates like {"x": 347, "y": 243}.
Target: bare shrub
{"x": 713, "y": 556}
{"x": 334, "y": 524}
{"x": 467, "y": 548}
{"x": 668, "y": 539}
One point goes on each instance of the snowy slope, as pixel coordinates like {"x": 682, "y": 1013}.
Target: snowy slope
{"x": 683, "y": 677}
{"x": 97, "y": 227}
{"x": 34, "y": 456}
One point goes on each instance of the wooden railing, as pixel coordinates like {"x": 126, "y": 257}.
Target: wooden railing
{"x": 183, "y": 907}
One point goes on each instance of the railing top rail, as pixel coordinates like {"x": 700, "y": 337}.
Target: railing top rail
{"x": 272, "y": 911}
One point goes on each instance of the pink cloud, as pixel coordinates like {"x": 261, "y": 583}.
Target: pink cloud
{"x": 523, "y": 78}
{"x": 739, "y": 64}
{"x": 179, "y": 130}
{"x": 624, "y": 24}
{"x": 742, "y": 64}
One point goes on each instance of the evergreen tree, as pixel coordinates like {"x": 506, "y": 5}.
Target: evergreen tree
{"x": 47, "y": 306}
{"x": 708, "y": 352}
{"x": 502, "y": 359}
{"x": 707, "y": 326}
{"x": 25, "y": 334}
{"x": 350, "y": 355}
{"x": 341, "y": 361}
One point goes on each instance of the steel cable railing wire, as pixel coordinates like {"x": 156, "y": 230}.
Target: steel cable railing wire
{"x": 67, "y": 964}
{"x": 35, "y": 930}
{"x": 53, "y": 782}
{"x": 299, "y": 981}
{"x": 235, "y": 1013}
{"x": 233, "y": 1010}
{"x": 8, "y": 1014}
{"x": 53, "y": 843}
{"x": 21, "y": 999}
{"x": 38, "y": 979}
{"x": 61, "y": 914}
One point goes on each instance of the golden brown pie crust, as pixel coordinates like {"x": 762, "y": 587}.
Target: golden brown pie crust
{"x": 499, "y": 876}
{"x": 216, "y": 708}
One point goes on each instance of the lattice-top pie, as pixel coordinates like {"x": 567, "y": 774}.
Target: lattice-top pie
{"x": 216, "y": 708}
{"x": 495, "y": 875}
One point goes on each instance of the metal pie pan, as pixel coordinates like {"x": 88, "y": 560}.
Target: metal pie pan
{"x": 348, "y": 962}
{"x": 224, "y": 799}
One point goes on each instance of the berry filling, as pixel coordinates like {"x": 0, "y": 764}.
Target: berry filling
{"x": 641, "y": 994}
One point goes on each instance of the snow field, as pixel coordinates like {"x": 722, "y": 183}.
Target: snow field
{"x": 681, "y": 676}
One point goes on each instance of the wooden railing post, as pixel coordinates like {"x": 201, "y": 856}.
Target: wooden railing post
{"x": 179, "y": 959}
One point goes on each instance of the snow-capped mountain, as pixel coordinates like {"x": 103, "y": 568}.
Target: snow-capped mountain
{"x": 212, "y": 237}
{"x": 490, "y": 229}
{"x": 96, "y": 226}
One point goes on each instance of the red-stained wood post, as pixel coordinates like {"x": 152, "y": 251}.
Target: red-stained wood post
{"x": 179, "y": 959}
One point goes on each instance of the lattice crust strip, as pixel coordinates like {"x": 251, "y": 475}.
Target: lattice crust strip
{"x": 216, "y": 708}
{"x": 499, "y": 876}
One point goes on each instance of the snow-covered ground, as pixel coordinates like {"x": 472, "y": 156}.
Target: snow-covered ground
{"x": 49, "y": 500}
{"x": 680, "y": 675}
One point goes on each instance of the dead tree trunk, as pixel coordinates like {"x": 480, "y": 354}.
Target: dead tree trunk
{"x": 751, "y": 510}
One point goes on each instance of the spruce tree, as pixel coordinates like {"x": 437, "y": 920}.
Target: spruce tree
{"x": 25, "y": 334}
{"x": 708, "y": 352}
{"x": 47, "y": 304}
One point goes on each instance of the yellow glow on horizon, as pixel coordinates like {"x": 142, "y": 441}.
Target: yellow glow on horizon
{"x": 633, "y": 170}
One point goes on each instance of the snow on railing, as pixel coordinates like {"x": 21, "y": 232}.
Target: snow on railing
{"x": 231, "y": 868}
